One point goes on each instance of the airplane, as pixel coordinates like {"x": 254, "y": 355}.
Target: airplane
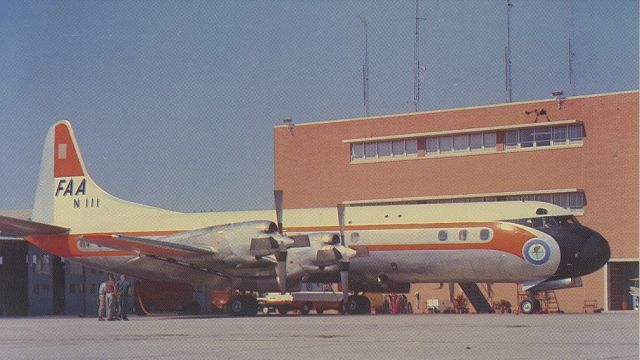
{"x": 381, "y": 248}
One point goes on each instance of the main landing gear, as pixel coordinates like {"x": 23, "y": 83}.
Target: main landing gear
{"x": 356, "y": 305}
{"x": 242, "y": 305}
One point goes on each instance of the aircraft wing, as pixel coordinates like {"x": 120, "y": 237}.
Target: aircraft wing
{"x": 22, "y": 228}
{"x": 146, "y": 246}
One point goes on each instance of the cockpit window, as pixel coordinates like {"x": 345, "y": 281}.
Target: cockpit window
{"x": 547, "y": 221}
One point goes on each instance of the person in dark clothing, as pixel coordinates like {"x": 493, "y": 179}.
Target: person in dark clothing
{"x": 122, "y": 289}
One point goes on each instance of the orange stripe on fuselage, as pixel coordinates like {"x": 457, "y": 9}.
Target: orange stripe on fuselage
{"x": 67, "y": 245}
{"x": 507, "y": 238}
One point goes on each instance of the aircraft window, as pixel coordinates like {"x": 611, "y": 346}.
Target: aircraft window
{"x": 442, "y": 235}
{"x": 550, "y": 222}
{"x": 566, "y": 220}
{"x": 485, "y": 234}
{"x": 463, "y": 234}
{"x": 534, "y": 222}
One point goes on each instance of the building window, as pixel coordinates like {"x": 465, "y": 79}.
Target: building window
{"x": 1, "y": 260}
{"x": 384, "y": 149}
{"x": 370, "y": 150}
{"x": 357, "y": 151}
{"x": 543, "y": 136}
{"x": 397, "y": 148}
{"x": 461, "y": 143}
{"x": 411, "y": 147}
{"x": 573, "y": 201}
{"x": 489, "y": 141}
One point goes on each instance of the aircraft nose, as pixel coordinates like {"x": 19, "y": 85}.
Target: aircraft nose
{"x": 595, "y": 253}
{"x": 582, "y": 252}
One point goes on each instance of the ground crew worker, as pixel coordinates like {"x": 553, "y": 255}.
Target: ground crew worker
{"x": 122, "y": 289}
{"x": 110, "y": 293}
{"x": 101, "y": 301}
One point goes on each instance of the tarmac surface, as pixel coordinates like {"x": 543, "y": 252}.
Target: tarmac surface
{"x": 487, "y": 336}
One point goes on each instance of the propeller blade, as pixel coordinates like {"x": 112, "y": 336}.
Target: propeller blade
{"x": 344, "y": 280}
{"x": 452, "y": 287}
{"x": 341, "y": 222}
{"x": 281, "y": 270}
{"x": 278, "y": 196}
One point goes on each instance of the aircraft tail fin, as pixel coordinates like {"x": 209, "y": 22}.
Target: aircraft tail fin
{"x": 61, "y": 159}
{"x": 67, "y": 197}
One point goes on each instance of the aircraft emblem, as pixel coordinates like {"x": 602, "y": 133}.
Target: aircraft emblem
{"x": 536, "y": 251}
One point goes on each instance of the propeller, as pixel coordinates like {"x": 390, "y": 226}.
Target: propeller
{"x": 452, "y": 288}
{"x": 344, "y": 261}
{"x": 281, "y": 256}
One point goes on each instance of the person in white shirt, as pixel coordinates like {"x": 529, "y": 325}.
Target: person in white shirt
{"x": 101, "y": 300}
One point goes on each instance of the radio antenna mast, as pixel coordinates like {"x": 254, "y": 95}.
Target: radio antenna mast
{"x": 416, "y": 61}
{"x": 507, "y": 53}
{"x": 365, "y": 66}
{"x": 572, "y": 54}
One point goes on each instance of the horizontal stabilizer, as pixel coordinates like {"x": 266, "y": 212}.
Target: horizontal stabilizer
{"x": 22, "y": 228}
{"x": 145, "y": 246}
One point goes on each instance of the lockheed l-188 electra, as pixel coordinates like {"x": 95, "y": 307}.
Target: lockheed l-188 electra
{"x": 373, "y": 248}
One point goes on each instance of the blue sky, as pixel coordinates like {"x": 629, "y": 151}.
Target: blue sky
{"x": 174, "y": 102}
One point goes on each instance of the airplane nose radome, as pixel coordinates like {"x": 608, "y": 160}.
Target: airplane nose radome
{"x": 583, "y": 251}
{"x": 595, "y": 254}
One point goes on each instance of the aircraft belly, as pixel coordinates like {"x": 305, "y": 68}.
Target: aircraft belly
{"x": 418, "y": 266}
{"x": 152, "y": 269}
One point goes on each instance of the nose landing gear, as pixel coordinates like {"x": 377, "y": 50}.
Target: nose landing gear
{"x": 537, "y": 302}
{"x": 530, "y": 305}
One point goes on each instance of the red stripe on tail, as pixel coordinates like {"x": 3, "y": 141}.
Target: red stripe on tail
{"x": 66, "y": 161}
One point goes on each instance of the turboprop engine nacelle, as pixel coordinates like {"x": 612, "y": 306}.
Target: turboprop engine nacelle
{"x": 245, "y": 241}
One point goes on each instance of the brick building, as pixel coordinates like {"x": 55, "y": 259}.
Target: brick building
{"x": 579, "y": 152}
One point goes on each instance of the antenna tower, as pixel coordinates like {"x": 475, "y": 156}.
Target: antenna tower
{"x": 507, "y": 54}
{"x": 572, "y": 54}
{"x": 365, "y": 66}
{"x": 416, "y": 61}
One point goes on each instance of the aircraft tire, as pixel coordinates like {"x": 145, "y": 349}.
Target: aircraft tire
{"x": 319, "y": 310}
{"x": 364, "y": 305}
{"x": 342, "y": 309}
{"x": 306, "y": 308}
{"x": 529, "y": 306}
{"x": 236, "y": 306}
{"x": 358, "y": 305}
{"x": 251, "y": 308}
{"x": 283, "y": 309}
{"x": 243, "y": 306}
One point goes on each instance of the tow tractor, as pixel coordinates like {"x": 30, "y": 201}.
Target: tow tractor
{"x": 303, "y": 301}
